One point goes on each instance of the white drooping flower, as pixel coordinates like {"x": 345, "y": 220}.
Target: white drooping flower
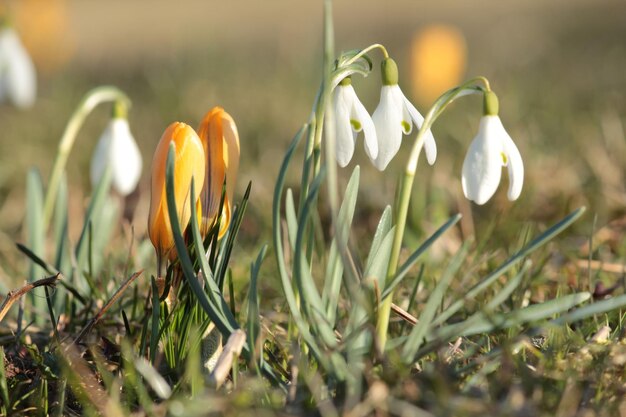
{"x": 117, "y": 148}
{"x": 491, "y": 149}
{"x": 394, "y": 116}
{"x": 351, "y": 118}
{"x": 18, "y": 80}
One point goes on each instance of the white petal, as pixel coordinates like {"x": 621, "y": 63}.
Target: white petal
{"x": 387, "y": 119}
{"x": 482, "y": 167}
{"x": 430, "y": 147}
{"x": 344, "y": 140}
{"x": 360, "y": 114}
{"x": 515, "y": 167}
{"x": 19, "y": 78}
{"x": 118, "y": 148}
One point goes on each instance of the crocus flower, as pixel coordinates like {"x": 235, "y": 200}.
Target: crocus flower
{"x": 18, "y": 82}
{"x": 396, "y": 115}
{"x": 350, "y": 118}
{"x": 220, "y": 140}
{"x": 491, "y": 149}
{"x": 117, "y": 148}
{"x": 189, "y": 163}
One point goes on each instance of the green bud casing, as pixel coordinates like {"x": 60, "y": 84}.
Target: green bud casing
{"x": 491, "y": 106}
{"x": 389, "y": 70}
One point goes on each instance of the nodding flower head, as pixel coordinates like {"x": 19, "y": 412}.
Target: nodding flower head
{"x": 220, "y": 140}
{"x": 18, "y": 80}
{"x": 491, "y": 149}
{"x": 117, "y": 148}
{"x": 394, "y": 116}
{"x": 350, "y": 118}
{"x": 189, "y": 163}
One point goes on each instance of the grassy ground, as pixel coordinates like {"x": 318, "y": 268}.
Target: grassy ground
{"x": 558, "y": 70}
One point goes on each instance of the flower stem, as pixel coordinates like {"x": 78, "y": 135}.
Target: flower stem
{"x": 404, "y": 197}
{"x": 89, "y": 102}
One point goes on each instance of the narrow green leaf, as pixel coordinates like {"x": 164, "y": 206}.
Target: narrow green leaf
{"x": 253, "y": 324}
{"x": 521, "y": 254}
{"x": 382, "y": 230}
{"x": 597, "y": 307}
{"x": 483, "y": 322}
{"x": 406, "y": 267}
{"x": 233, "y": 230}
{"x": 4, "y": 390}
{"x": 335, "y": 268}
{"x": 288, "y": 290}
{"x": 310, "y": 299}
{"x": 291, "y": 218}
{"x": 154, "y": 334}
{"x": 418, "y": 333}
{"x": 95, "y": 205}
{"x": 35, "y": 237}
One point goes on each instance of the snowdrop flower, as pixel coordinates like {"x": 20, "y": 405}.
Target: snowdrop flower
{"x": 117, "y": 148}
{"x": 18, "y": 81}
{"x": 396, "y": 115}
{"x": 350, "y": 118}
{"x": 491, "y": 149}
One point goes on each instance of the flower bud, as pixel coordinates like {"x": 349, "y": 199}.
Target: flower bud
{"x": 220, "y": 140}
{"x": 189, "y": 163}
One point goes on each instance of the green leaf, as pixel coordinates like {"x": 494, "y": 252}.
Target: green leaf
{"x": 277, "y": 238}
{"x": 229, "y": 243}
{"x": 382, "y": 230}
{"x": 521, "y": 254}
{"x": 418, "y": 333}
{"x": 253, "y": 323}
{"x": 335, "y": 268}
{"x": 406, "y": 267}
{"x": 598, "y": 307}
{"x": 95, "y": 206}
{"x": 291, "y": 218}
{"x": 483, "y": 321}
{"x": 35, "y": 238}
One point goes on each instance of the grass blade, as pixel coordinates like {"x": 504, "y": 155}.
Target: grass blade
{"x": 335, "y": 268}
{"x": 535, "y": 244}
{"x": 406, "y": 267}
{"x": 418, "y": 333}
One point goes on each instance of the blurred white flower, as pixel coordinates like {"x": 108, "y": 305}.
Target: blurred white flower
{"x": 396, "y": 115}
{"x": 18, "y": 81}
{"x": 351, "y": 118}
{"x": 117, "y": 148}
{"x": 491, "y": 149}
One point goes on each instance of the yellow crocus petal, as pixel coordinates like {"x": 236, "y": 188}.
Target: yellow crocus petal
{"x": 220, "y": 140}
{"x": 189, "y": 163}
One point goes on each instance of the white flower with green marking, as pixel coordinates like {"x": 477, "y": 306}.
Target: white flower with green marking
{"x": 117, "y": 148}
{"x": 350, "y": 119}
{"x": 394, "y": 116}
{"x": 491, "y": 149}
{"x": 18, "y": 80}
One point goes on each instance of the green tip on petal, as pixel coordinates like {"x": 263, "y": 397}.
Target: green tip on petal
{"x": 356, "y": 125}
{"x": 389, "y": 70}
{"x": 490, "y": 104}
{"x": 346, "y": 81}
{"x": 120, "y": 110}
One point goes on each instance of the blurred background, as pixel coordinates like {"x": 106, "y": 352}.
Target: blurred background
{"x": 558, "y": 68}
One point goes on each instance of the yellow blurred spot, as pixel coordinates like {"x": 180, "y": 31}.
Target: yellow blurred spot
{"x": 43, "y": 28}
{"x": 438, "y": 61}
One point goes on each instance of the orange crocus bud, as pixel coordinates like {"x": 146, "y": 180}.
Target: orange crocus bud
{"x": 189, "y": 163}
{"x": 220, "y": 140}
